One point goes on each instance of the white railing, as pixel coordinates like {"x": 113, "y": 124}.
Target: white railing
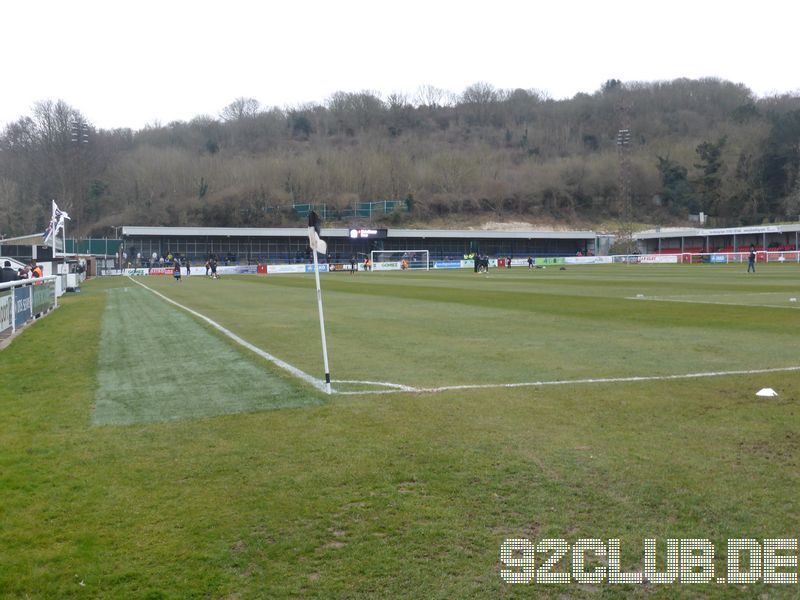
{"x": 24, "y": 300}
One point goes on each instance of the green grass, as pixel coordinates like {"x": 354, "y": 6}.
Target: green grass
{"x": 405, "y": 495}
{"x": 434, "y": 329}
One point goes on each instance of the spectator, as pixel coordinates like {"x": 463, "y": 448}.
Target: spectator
{"x": 8, "y": 273}
{"x": 36, "y": 270}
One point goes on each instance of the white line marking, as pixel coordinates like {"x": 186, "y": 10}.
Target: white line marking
{"x": 657, "y": 299}
{"x": 399, "y": 386}
{"x": 633, "y": 379}
{"x": 317, "y": 383}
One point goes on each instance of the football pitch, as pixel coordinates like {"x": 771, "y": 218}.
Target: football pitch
{"x": 170, "y": 440}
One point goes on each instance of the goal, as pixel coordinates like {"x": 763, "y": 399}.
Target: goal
{"x": 393, "y": 260}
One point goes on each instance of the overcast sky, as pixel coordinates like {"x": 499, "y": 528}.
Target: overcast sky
{"x": 128, "y": 64}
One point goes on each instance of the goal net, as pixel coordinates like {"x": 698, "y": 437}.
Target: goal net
{"x": 396, "y": 260}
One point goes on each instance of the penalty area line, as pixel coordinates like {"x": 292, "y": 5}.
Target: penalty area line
{"x": 317, "y": 383}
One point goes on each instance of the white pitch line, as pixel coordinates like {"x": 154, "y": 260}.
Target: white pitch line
{"x": 317, "y": 383}
{"x": 656, "y": 299}
{"x": 398, "y": 386}
{"x": 633, "y": 379}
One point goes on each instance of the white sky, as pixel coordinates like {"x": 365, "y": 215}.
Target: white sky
{"x": 127, "y": 64}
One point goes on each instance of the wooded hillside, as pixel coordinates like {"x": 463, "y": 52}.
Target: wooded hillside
{"x": 485, "y": 154}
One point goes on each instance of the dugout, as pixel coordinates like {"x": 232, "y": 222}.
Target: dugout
{"x": 233, "y": 245}
{"x": 736, "y": 239}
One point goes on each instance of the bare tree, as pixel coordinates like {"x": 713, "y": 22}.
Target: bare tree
{"x": 431, "y": 96}
{"x": 239, "y": 109}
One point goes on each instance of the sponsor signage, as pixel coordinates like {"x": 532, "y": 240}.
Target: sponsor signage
{"x": 134, "y": 272}
{"x": 447, "y": 264}
{"x": 43, "y": 295}
{"x": 718, "y": 258}
{"x": 386, "y": 266}
{"x": 6, "y": 311}
{"x": 286, "y": 268}
{"x": 366, "y": 234}
{"x": 550, "y": 260}
{"x": 161, "y": 271}
{"x": 322, "y": 268}
{"x": 588, "y": 260}
{"x": 247, "y": 270}
{"x": 22, "y": 305}
{"x": 742, "y": 230}
{"x": 631, "y": 259}
{"x": 658, "y": 258}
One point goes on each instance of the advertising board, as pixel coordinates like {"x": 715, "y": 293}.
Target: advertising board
{"x": 6, "y": 311}
{"x": 286, "y": 269}
{"x": 22, "y": 305}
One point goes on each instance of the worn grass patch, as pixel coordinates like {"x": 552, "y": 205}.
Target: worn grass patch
{"x": 157, "y": 363}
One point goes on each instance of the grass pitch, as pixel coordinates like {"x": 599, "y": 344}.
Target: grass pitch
{"x": 433, "y": 329}
{"x": 407, "y": 494}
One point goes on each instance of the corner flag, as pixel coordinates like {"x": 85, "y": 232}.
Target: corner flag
{"x": 319, "y": 245}
{"x": 316, "y": 243}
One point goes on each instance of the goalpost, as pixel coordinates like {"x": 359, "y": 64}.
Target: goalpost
{"x": 394, "y": 260}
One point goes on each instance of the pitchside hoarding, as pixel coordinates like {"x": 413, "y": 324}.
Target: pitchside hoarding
{"x": 286, "y": 269}
{"x": 6, "y": 311}
{"x": 660, "y": 259}
{"x": 447, "y": 264}
{"x": 587, "y": 260}
{"x": 322, "y": 268}
{"x": 440, "y": 264}
{"x": 43, "y": 296}
{"x": 22, "y": 305}
{"x": 549, "y": 260}
{"x": 386, "y": 266}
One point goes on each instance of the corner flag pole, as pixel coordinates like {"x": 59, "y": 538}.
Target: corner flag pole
{"x": 318, "y": 245}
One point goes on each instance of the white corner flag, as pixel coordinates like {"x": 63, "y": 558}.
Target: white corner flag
{"x": 314, "y": 240}
{"x": 56, "y": 223}
{"x": 319, "y": 245}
